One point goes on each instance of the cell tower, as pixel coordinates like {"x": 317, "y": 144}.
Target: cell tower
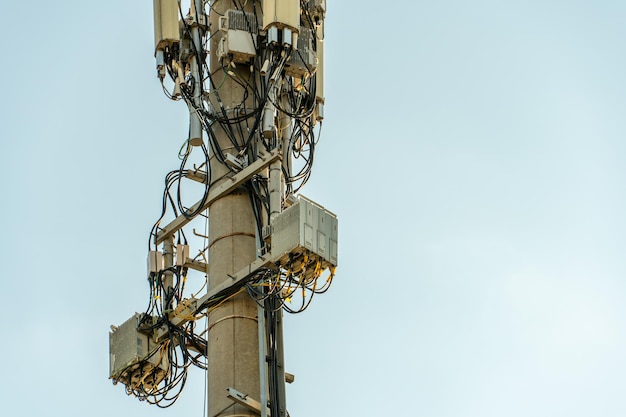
{"x": 251, "y": 74}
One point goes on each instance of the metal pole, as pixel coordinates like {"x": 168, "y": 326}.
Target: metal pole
{"x": 276, "y": 357}
{"x": 262, "y": 360}
{"x": 195, "y": 126}
{"x": 233, "y": 341}
{"x": 168, "y": 258}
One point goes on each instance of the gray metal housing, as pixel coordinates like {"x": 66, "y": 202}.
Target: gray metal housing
{"x": 302, "y": 60}
{"x": 305, "y": 227}
{"x": 130, "y": 350}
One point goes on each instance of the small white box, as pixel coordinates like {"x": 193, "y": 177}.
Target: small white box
{"x": 155, "y": 261}
{"x": 182, "y": 254}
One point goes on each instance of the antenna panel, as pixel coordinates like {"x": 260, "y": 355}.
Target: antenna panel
{"x": 281, "y": 14}
{"x": 166, "y": 29}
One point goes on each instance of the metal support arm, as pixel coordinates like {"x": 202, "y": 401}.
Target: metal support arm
{"x": 219, "y": 191}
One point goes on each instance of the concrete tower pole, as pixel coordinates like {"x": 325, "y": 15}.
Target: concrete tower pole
{"x": 233, "y": 337}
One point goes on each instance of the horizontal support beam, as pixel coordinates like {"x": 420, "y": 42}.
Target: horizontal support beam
{"x": 243, "y": 399}
{"x": 199, "y": 176}
{"x": 219, "y": 191}
{"x": 197, "y": 265}
{"x": 194, "y": 306}
{"x": 236, "y": 279}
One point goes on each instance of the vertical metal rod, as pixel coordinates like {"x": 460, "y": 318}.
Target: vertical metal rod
{"x": 168, "y": 262}
{"x": 275, "y": 357}
{"x": 286, "y": 129}
{"x": 262, "y": 360}
{"x": 195, "y": 127}
{"x": 262, "y": 346}
{"x": 280, "y": 358}
{"x": 275, "y": 186}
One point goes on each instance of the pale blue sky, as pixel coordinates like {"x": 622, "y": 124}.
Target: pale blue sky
{"x": 473, "y": 151}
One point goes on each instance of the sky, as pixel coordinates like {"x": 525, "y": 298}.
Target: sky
{"x": 473, "y": 152}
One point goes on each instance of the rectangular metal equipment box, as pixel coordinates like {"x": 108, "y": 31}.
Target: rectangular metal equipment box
{"x": 302, "y": 60}
{"x": 239, "y": 35}
{"x": 129, "y": 348}
{"x": 305, "y": 227}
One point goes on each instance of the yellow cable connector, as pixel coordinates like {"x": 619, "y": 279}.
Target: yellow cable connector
{"x": 305, "y": 261}
{"x": 318, "y": 270}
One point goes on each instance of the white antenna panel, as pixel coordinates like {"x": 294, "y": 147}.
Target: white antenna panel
{"x": 166, "y": 29}
{"x": 319, "y": 85}
{"x": 281, "y": 14}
